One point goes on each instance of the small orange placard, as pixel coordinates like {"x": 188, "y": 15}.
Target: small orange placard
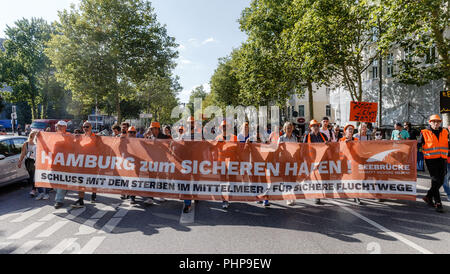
{"x": 363, "y": 112}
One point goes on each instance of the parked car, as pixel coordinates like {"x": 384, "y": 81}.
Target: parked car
{"x": 10, "y": 148}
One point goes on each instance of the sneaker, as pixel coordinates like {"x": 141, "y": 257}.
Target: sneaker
{"x": 78, "y": 204}
{"x": 259, "y": 202}
{"x": 46, "y": 197}
{"x": 266, "y": 203}
{"x": 123, "y": 197}
{"x": 40, "y": 196}
{"x": 428, "y": 201}
{"x": 58, "y": 205}
{"x": 290, "y": 202}
{"x": 358, "y": 201}
{"x": 225, "y": 204}
{"x": 32, "y": 193}
{"x": 149, "y": 201}
{"x": 162, "y": 199}
{"x": 439, "y": 208}
{"x": 93, "y": 197}
{"x": 186, "y": 208}
{"x": 132, "y": 200}
{"x": 318, "y": 202}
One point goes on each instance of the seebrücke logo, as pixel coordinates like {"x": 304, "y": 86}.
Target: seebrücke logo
{"x": 379, "y": 157}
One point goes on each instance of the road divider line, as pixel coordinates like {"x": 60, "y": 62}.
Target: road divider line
{"x": 26, "y": 247}
{"x": 25, "y": 231}
{"x": 382, "y": 228}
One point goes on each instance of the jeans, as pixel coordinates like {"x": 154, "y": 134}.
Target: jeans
{"x": 43, "y": 190}
{"x": 188, "y": 202}
{"x": 446, "y": 182}
{"x": 60, "y": 195}
{"x": 420, "y": 166}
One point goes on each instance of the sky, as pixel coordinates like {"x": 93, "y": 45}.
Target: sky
{"x": 205, "y": 30}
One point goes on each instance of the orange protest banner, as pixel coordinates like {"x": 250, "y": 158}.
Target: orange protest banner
{"x": 363, "y": 112}
{"x": 204, "y": 170}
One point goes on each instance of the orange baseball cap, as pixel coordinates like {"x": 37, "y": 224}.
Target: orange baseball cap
{"x": 435, "y": 117}
{"x": 132, "y": 128}
{"x": 348, "y": 125}
{"x": 155, "y": 124}
{"x": 313, "y": 122}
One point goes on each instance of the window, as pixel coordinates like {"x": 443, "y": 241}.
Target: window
{"x": 328, "y": 111}
{"x": 390, "y": 65}
{"x": 301, "y": 111}
{"x": 375, "y": 69}
{"x": 5, "y": 148}
{"x": 17, "y": 144}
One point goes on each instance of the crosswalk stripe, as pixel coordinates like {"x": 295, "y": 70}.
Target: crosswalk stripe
{"x": 110, "y": 225}
{"x": 188, "y": 218}
{"x": 26, "y": 215}
{"x": 62, "y": 246}
{"x": 88, "y": 227}
{"x": 4, "y": 245}
{"x": 92, "y": 245}
{"x": 6, "y": 216}
{"x": 26, "y": 247}
{"x": 25, "y": 231}
{"x": 52, "y": 229}
{"x": 52, "y": 215}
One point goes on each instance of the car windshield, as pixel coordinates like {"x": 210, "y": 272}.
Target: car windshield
{"x": 40, "y": 125}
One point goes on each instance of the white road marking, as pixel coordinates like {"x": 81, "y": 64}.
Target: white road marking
{"x": 52, "y": 229}
{"x": 188, "y": 218}
{"x": 114, "y": 221}
{"x": 91, "y": 246}
{"x": 382, "y": 228}
{"x": 4, "y": 245}
{"x": 53, "y": 215}
{"x": 25, "y": 231}
{"x": 26, "y": 247}
{"x": 26, "y": 215}
{"x": 4, "y": 217}
{"x": 63, "y": 245}
{"x": 58, "y": 225}
{"x": 88, "y": 227}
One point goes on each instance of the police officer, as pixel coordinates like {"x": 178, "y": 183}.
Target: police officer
{"x": 434, "y": 142}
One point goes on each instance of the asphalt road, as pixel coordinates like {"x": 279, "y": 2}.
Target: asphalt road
{"x": 113, "y": 226}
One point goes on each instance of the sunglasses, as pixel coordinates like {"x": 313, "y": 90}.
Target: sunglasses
{"x": 86, "y": 126}
{"x": 132, "y": 132}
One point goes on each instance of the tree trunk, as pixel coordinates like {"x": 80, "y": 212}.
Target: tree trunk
{"x": 310, "y": 100}
{"x": 119, "y": 115}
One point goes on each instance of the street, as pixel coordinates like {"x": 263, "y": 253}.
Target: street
{"x": 114, "y": 226}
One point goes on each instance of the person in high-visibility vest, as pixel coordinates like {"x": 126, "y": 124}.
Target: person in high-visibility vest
{"x": 434, "y": 143}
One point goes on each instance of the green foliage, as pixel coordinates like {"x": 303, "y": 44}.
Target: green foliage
{"x": 108, "y": 48}
{"x": 225, "y": 88}
{"x": 419, "y": 26}
{"x": 24, "y": 66}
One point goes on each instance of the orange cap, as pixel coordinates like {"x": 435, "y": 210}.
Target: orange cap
{"x": 348, "y": 125}
{"x": 313, "y": 122}
{"x": 191, "y": 119}
{"x": 155, "y": 124}
{"x": 435, "y": 117}
{"x": 181, "y": 127}
{"x": 132, "y": 128}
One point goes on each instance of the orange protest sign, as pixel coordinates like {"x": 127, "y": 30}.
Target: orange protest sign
{"x": 363, "y": 112}
{"x": 246, "y": 172}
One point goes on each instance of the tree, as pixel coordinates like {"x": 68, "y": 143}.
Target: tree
{"x": 225, "y": 88}
{"x": 106, "y": 49}
{"x": 23, "y": 65}
{"x": 261, "y": 61}
{"x": 197, "y": 92}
